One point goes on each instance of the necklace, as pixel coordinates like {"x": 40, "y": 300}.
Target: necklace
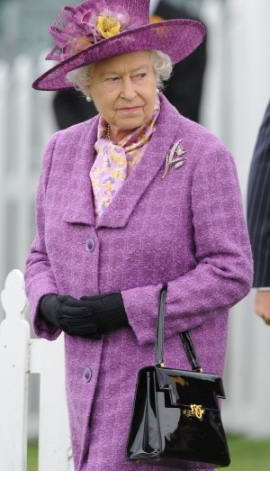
{"x": 108, "y": 132}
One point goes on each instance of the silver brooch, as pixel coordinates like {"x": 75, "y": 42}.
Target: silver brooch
{"x": 175, "y": 158}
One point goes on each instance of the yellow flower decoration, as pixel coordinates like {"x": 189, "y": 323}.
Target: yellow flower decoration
{"x": 108, "y": 26}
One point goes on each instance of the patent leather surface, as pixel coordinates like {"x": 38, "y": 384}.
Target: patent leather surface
{"x": 161, "y": 426}
{"x": 144, "y": 438}
{"x": 194, "y": 437}
{"x": 175, "y": 412}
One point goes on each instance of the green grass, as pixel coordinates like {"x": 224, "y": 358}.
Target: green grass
{"x": 32, "y": 456}
{"x": 246, "y": 455}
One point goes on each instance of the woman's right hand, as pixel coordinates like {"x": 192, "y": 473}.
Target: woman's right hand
{"x": 70, "y": 315}
{"x": 262, "y": 305}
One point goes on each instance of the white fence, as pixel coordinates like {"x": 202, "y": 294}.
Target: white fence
{"x": 247, "y": 383}
{"x": 21, "y": 356}
{"x": 26, "y": 123}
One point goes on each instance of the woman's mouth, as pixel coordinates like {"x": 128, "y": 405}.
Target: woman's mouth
{"x": 130, "y": 109}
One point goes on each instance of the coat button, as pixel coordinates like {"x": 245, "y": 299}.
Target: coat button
{"x": 91, "y": 244}
{"x": 87, "y": 375}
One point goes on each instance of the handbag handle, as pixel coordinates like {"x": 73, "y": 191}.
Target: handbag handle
{"x": 184, "y": 336}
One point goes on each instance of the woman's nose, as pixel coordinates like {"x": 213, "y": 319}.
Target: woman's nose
{"x": 128, "y": 89}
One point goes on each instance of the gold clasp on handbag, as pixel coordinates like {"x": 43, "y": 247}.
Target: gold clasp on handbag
{"x": 196, "y": 411}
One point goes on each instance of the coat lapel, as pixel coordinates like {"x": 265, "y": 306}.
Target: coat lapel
{"x": 81, "y": 209}
{"x": 80, "y": 206}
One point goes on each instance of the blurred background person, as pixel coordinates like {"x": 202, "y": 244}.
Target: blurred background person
{"x": 184, "y": 90}
{"x": 258, "y": 215}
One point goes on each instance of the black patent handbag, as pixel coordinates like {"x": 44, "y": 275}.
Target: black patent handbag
{"x": 176, "y": 415}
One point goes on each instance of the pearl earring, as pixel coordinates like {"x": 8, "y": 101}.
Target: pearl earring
{"x": 88, "y": 98}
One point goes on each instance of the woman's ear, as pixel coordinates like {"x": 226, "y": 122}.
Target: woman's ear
{"x": 88, "y": 93}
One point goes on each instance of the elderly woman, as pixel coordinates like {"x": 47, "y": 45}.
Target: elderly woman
{"x": 134, "y": 198}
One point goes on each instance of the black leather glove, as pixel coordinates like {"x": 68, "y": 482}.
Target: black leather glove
{"x": 70, "y": 315}
{"x": 108, "y": 310}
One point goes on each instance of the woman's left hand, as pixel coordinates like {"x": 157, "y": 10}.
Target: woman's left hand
{"x": 109, "y": 311}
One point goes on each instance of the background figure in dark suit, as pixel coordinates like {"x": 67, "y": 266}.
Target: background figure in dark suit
{"x": 70, "y": 107}
{"x": 184, "y": 89}
{"x": 258, "y": 217}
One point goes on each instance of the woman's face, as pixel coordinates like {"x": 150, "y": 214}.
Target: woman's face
{"x": 123, "y": 89}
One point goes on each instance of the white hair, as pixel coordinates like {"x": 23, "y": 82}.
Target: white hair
{"x": 162, "y": 63}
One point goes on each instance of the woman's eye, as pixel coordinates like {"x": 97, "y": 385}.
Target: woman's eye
{"x": 115, "y": 78}
{"x": 140, "y": 75}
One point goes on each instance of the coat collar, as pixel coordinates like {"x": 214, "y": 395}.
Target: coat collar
{"x": 80, "y": 207}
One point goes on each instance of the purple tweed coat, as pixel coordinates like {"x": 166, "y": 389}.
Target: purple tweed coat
{"x": 186, "y": 229}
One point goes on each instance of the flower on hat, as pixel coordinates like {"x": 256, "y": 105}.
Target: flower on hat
{"x": 108, "y": 26}
{"x": 77, "y": 29}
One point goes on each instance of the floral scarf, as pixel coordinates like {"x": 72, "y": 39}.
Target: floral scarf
{"x": 113, "y": 161}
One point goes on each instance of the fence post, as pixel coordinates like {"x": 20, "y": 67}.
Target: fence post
{"x": 47, "y": 359}
{"x": 14, "y": 375}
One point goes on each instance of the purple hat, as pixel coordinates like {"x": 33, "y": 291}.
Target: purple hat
{"x": 98, "y": 29}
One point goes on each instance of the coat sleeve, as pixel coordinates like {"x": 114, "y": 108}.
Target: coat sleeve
{"x": 39, "y": 279}
{"x": 224, "y": 271}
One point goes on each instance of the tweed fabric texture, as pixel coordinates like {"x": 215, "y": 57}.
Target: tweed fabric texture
{"x": 187, "y": 229}
{"x": 113, "y": 161}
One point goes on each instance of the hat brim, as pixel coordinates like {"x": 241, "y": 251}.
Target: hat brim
{"x": 177, "y": 37}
